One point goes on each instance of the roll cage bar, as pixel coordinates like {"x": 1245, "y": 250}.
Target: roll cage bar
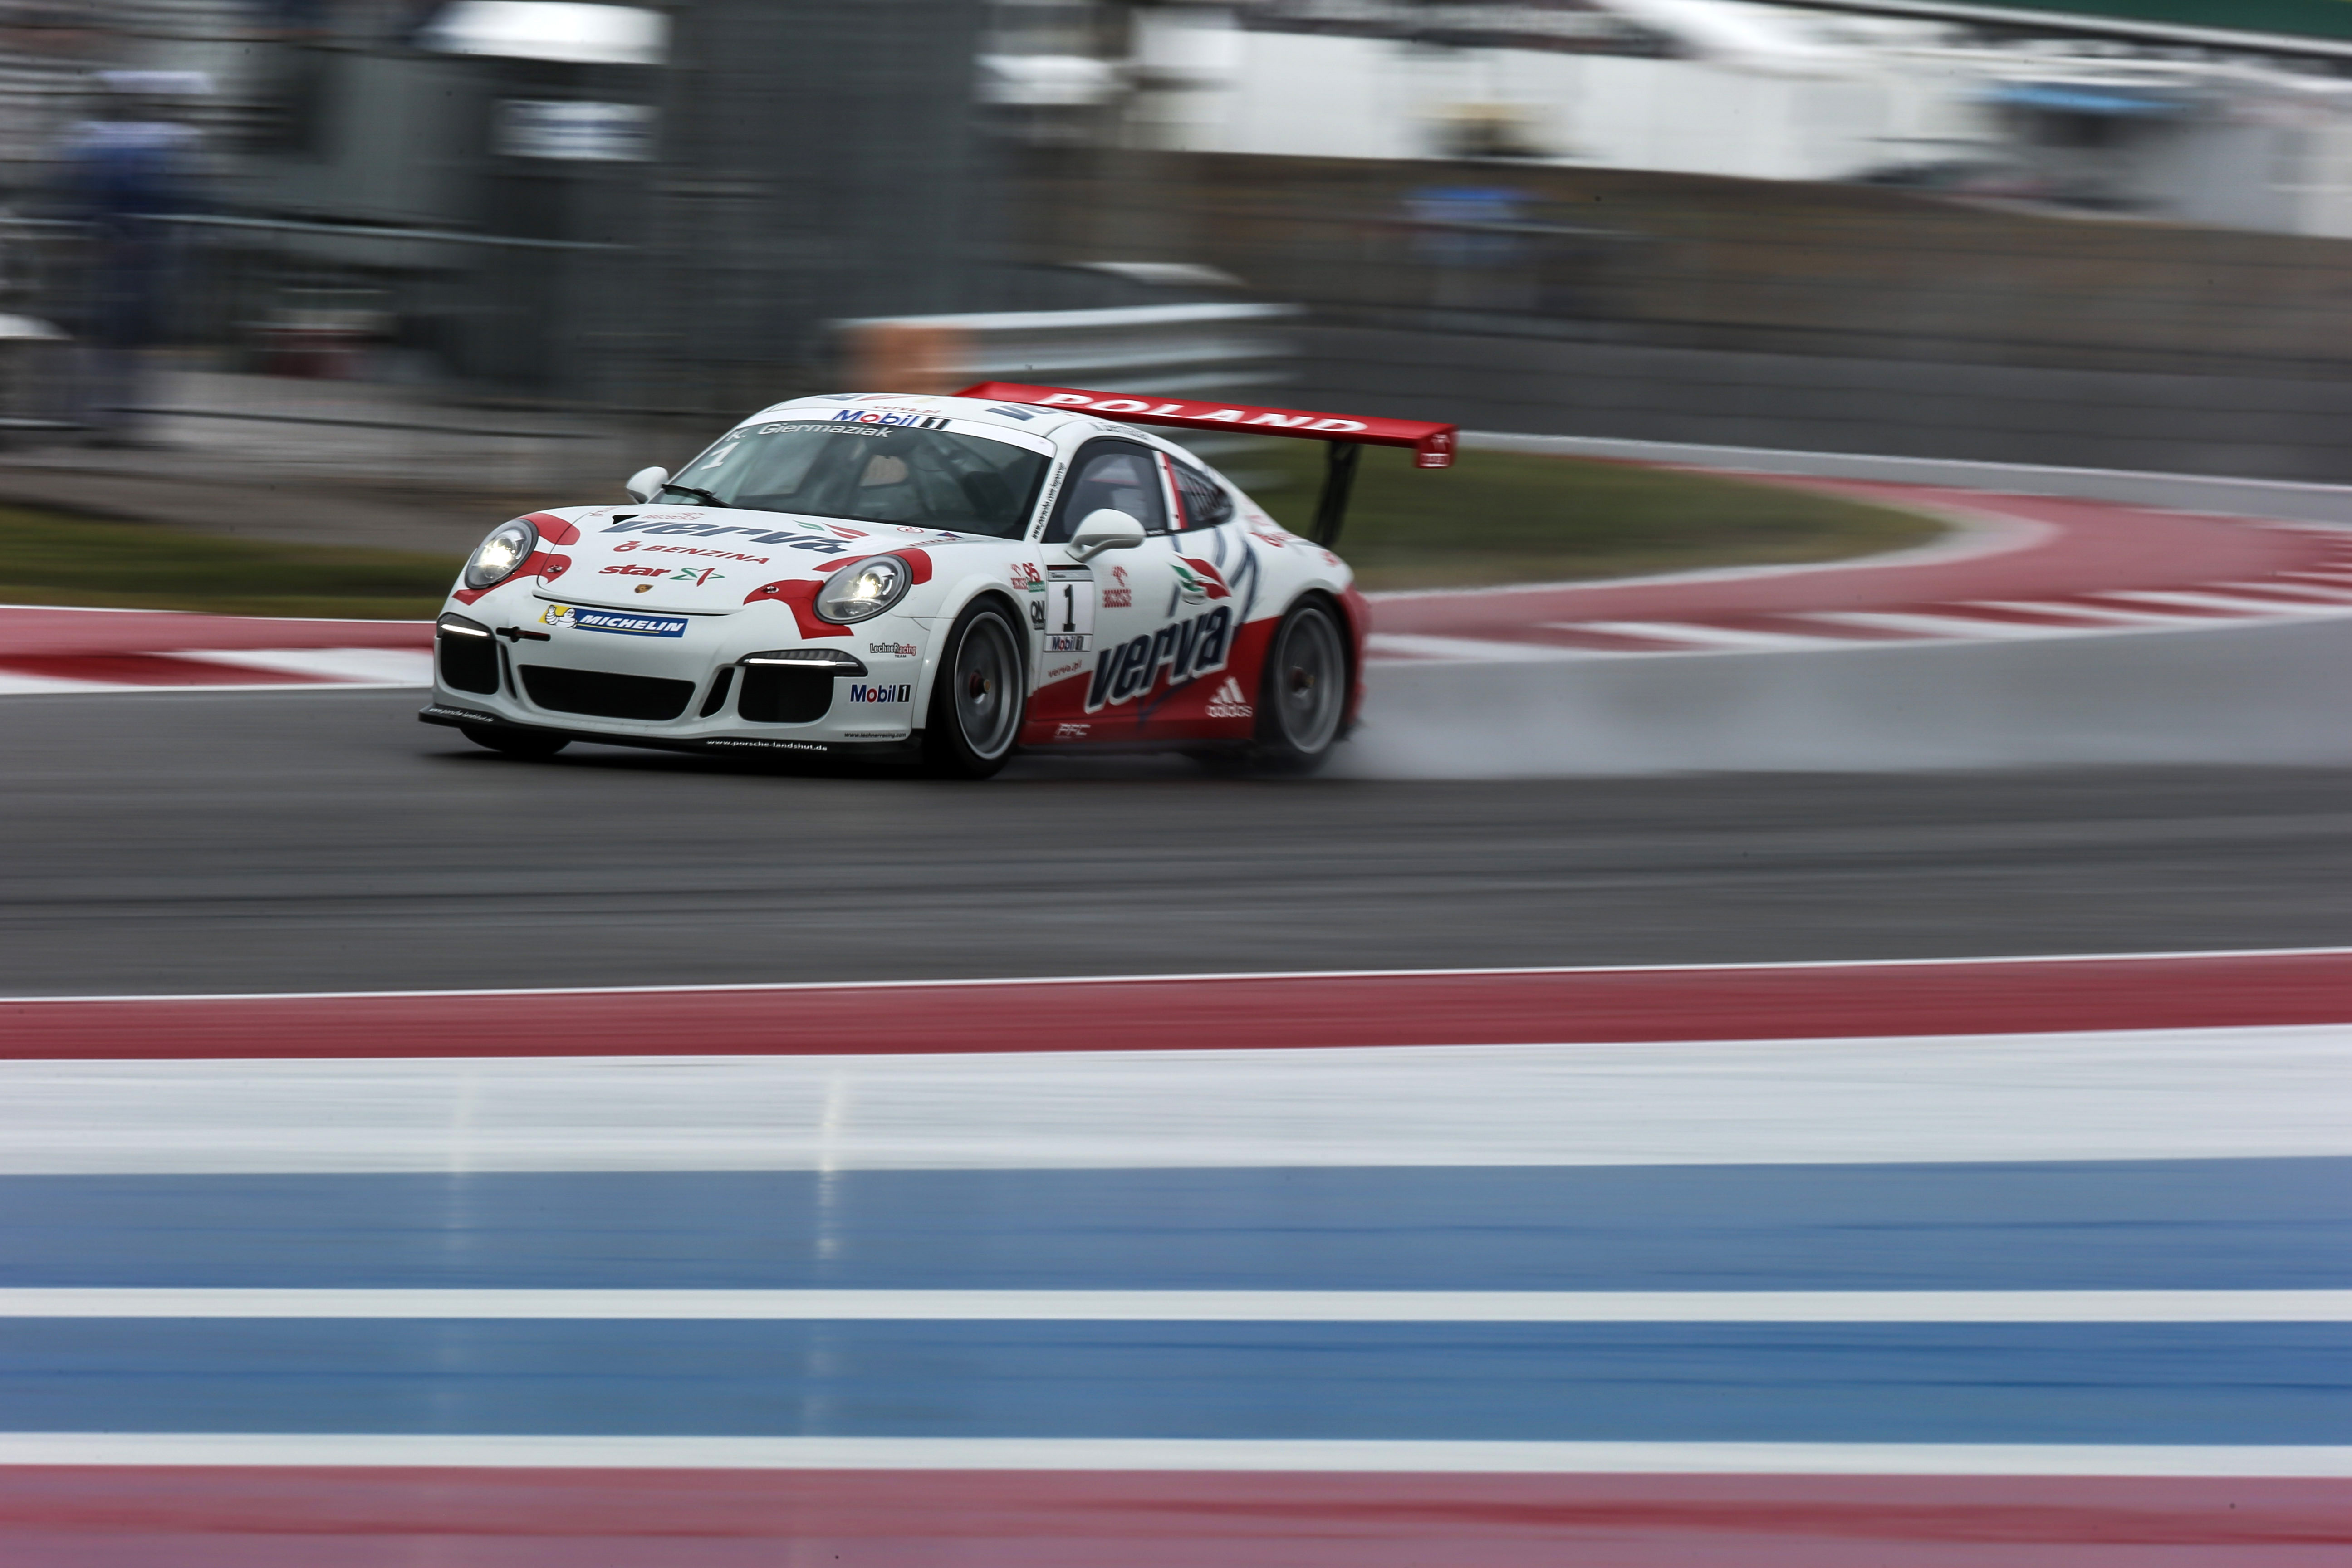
{"x": 1344, "y": 435}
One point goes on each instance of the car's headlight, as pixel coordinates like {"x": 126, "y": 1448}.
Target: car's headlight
{"x": 495, "y": 559}
{"x": 864, "y": 589}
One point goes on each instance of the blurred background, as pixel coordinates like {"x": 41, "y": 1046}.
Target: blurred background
{"x": 2109, "y": 234}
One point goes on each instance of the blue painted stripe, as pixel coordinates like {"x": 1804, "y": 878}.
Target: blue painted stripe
{"x": 2189, "y": 1224}
{"x": 2029, "y": 1383}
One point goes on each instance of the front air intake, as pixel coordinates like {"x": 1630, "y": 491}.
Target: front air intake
{"x": 466, "y": 655}
{"x": 593, "y": 692}
{"x": 792, "y": 686}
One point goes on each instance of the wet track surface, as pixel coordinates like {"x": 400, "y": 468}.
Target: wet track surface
{"x": 292, "y": 841}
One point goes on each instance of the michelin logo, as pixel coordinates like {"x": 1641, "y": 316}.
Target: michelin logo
{"x": 862, "y": 693}
{"x": 579, "y": 620}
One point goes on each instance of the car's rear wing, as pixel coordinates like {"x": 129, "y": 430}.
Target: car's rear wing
{"x": 1344, "y": 435}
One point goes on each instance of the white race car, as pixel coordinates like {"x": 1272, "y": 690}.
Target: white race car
{"x": 939, "y": 579}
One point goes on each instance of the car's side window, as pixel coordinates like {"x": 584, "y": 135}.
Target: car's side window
{"x": 1121, "y": 474}
{"x": 1202, "y": 500}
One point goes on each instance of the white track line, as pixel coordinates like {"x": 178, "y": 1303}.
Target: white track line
{"x": 2122, "y": 1095}
{"x": 432, "y": 1451}
{"x": 1936, "y": 628}
{"x": 13, "y": 685}
{"x": 2160, "y": 598}
{"x": 1696, "y": 636}
{"x": 1468, "y": 649}
{"x": 1198, "y": 1306}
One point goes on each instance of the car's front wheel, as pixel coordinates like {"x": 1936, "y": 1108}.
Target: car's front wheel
{"x": 515, "y": 742}
{"x": 979, "y": 697}
{"x": 1303, "y": 694}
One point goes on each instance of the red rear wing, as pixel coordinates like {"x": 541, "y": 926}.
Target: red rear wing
{"x": 1433, "y": 445}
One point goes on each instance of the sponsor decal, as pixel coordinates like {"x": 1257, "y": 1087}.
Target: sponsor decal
{"x": 1117, "y": 598}
{"x": 1037, "y": 614}
{"x": 1021, "y": 414}
{"x": 862, "y": 693}
{"x": 1197, "y": 580}
{"x": 1229, "y": 701}
{"x": 797, "y": 540}
{"x": 1115, "y": 405}
{"x": 769, "y": 745}
{"x": 1186, "y": 649}
{"x": 695, "y": 575}
{"x": 1071, "y": 731}
{"x": 1263, "y": 537}
{"x": 1067, "y": 642}
{"x": 1025, "y": 574}
{"x": 629, "y": 544}
{"x": 893, "y": 649}
{"x": 622, "y": 622}
{"x": 913, "y": 421}
{"x": 874, "y": 734}
{"x": 1059, "y": 670}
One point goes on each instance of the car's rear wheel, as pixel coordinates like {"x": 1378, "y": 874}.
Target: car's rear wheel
{"x": 1303, "y": 692}
{"x": 979, "y": 697}
{"x": 515, "y": 742}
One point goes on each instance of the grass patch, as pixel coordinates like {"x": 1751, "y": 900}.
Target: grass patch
{"x": 1501, "y": 517}
{"x": 50, "y": 558}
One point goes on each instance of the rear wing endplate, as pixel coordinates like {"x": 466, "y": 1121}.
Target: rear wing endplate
{"x": 1344, "y": 435}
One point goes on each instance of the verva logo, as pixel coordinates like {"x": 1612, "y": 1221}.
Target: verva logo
{"x": 1186, "y": 649}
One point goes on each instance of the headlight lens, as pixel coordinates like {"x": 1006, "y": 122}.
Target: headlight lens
{"x": 495, "y": 559}
{"x": 864, "y": 589}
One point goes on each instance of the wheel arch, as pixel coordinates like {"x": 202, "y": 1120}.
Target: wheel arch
{"x": 977, "y": 590}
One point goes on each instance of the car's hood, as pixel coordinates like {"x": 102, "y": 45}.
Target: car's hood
{"x": 697, "y": 560}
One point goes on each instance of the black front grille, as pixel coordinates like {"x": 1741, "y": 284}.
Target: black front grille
{"x": 468, "y": 663}
{"x": 640, "y": 697}
{"x": 781, "y": 694}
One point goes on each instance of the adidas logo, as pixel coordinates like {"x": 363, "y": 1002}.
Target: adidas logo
{"x": 1229, "y": 701}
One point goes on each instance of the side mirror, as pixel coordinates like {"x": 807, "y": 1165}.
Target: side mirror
{"x": 646, "y": 483}
{"x": 1109, "y": 528}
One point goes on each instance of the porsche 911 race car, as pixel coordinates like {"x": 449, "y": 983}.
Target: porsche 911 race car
{"x": 941, "y": 579}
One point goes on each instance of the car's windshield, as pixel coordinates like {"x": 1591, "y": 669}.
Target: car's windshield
{"x": 866, "y": 473}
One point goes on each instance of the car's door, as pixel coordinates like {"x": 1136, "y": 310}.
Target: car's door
{"x": 1098, "y": 610}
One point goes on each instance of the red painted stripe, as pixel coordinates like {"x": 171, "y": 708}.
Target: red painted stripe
{"x": 150, "y": 669}
{"x": 197, "y": 1518}
{"x": 35, "y": 631}
{"x": 2018, "y": 996}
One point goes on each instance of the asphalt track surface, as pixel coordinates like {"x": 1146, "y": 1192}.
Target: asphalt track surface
{"x": 286, "y": 841}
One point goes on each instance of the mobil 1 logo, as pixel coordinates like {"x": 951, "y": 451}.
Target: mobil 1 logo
{"x": 1185, "y": 649}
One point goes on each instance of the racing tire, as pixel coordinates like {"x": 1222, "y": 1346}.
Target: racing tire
{"x": 1303, "y": 692}
{"x": 980, "y": 695}
{"x": 515, "y": 742}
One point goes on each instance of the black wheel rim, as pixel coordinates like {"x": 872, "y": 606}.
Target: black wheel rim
{"x": 986, "y": 689}
{"x": 1310, "y": 681}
